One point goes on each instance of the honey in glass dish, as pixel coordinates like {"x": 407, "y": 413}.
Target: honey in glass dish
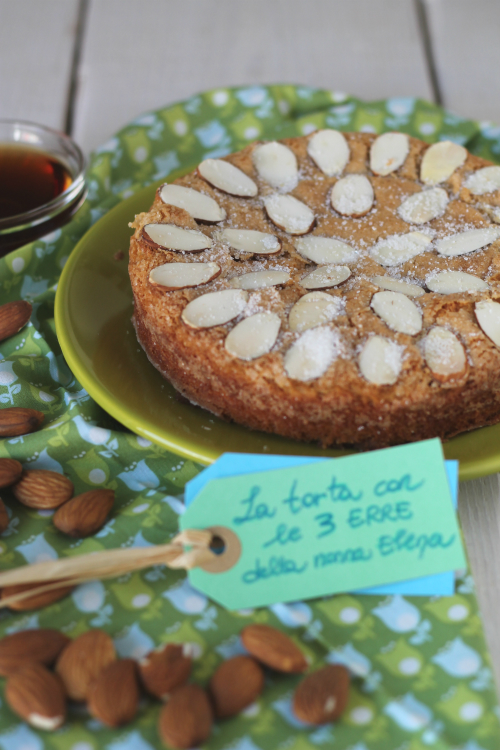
{"x": 42, "y": 183}
{"x": 28, "y": 179}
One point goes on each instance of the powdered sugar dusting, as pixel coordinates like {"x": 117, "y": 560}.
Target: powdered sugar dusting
{"x": 443, "y": 352}
{"x": 352, "y": 195}
{"x": 313, "y": 353}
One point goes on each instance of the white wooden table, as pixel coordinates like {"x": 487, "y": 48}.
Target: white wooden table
{"x": 90, "y": 66}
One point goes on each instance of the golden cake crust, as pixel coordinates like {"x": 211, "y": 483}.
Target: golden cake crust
{"x": 340, "y": 407}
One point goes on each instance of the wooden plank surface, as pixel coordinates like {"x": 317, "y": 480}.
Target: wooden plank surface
{"x": 143, "y": 55}
{"x": 36, "y": 50}
{"x": 465, "y": 43}
{"x": 479, "y": 509}
{"x": 466, "y": 55}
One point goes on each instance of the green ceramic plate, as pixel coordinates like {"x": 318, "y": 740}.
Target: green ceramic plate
{"x": 93, "y": 311}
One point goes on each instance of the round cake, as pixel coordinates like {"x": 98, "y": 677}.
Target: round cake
{"x": 336, "y": 287}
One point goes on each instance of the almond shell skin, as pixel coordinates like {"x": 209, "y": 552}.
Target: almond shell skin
{"x": 164, "y": 670}
{"x": 273, "y": 648}
{"x": 322, "y": 696}
{"x": 17, "y": 420}
{"x": 13, "y": 317}
{"x": 83, "y": 659}
{"x": 37, "y": 601}
{"x": 33, "y": 691}
{"x": 84, "y": 514}
{"x": 186, "y": 720}
{"x": 42, "y": 645}
{"x": 236, "y": 684}
{"x": 10, "y": 471}
{"x": 4, "y": 517}
{"x": 113, "y": 697}
{"x": 39, "y": 488}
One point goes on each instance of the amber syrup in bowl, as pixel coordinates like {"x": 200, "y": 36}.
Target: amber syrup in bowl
{"x": 42, "y": 182}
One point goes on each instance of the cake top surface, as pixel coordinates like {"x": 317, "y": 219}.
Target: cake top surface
{"x": 331, "y": 247}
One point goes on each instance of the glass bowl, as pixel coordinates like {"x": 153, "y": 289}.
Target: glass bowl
{"x": 19, "y": 228}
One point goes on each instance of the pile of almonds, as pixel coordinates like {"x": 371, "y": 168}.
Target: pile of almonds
{"x": 41, "y": 489}
{"x": 78, "y": 516}
{"x": 86, "y": 669}
{"x": 16, "y": 420}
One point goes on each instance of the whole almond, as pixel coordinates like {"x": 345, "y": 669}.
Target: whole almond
{"x": 113, "y": 696}
{"x": 273, "y": 648}
{"x": 186, "y": 720}
{"x": 10, "y": 471}
{"x": 83, "y": 660}
{"x": 235, "y": 685}
{"x": 16, "y": 420}
{"x": 42, "y": 645}
{"x": 13, "y": 317}
{"x": 37, "y": 601}
{"x": 4, "y": 517}
{"x": 37, "y": 696}
{"x": 165, "y": 669}
{"x": 39, "y": 488}
{"x": 322, "y": 696}
{"x": 84, "y": 514}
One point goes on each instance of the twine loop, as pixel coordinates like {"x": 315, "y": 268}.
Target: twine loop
{"x": 29, "y": 581}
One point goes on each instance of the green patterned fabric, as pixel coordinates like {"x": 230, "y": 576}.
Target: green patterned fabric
{"x": 422, "y": 677}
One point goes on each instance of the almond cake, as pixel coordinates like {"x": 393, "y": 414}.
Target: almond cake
{"x": 336, "y": 287}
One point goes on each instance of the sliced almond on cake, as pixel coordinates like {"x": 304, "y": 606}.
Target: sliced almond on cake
{"x": 312, "y": 354}
{"x": 492, "y": 211}
{"x": 325, "y": 276}
{"x": 226, "y": 177}
{"x": 325, "y": 250}
{"x": 440, "y": 161}
{"x": 466, "y": 242}
{"x": 251, "y": 241}
{"x": 398, "y": 311}
{"x": 254, "y": 336}
{"x": 313, "y": 309}
{"x": 380, "y": 361}
{"x": 395, "y": 285}
{"x": 276, "y": 164}
{"x": 399, "y": 248}
{"x": 488, "y": 317}
{"x": 329, "y": 151}
{"x": 352, "y": 195}
{"x": 453, "y": 282}
{"x": 290, "y": 214}
{"x": 260, "y": 279}
{"x": 172, "y": 276}
{"x": 388, "y": 152}
{"x": 485, "y": 180}
{"x": 172, "y": 237}
{"x": 215, "y": 308}
{"x": 200, "y": 206}
{"x": 422, "y": 207}
{"x": 444, "y": 354}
